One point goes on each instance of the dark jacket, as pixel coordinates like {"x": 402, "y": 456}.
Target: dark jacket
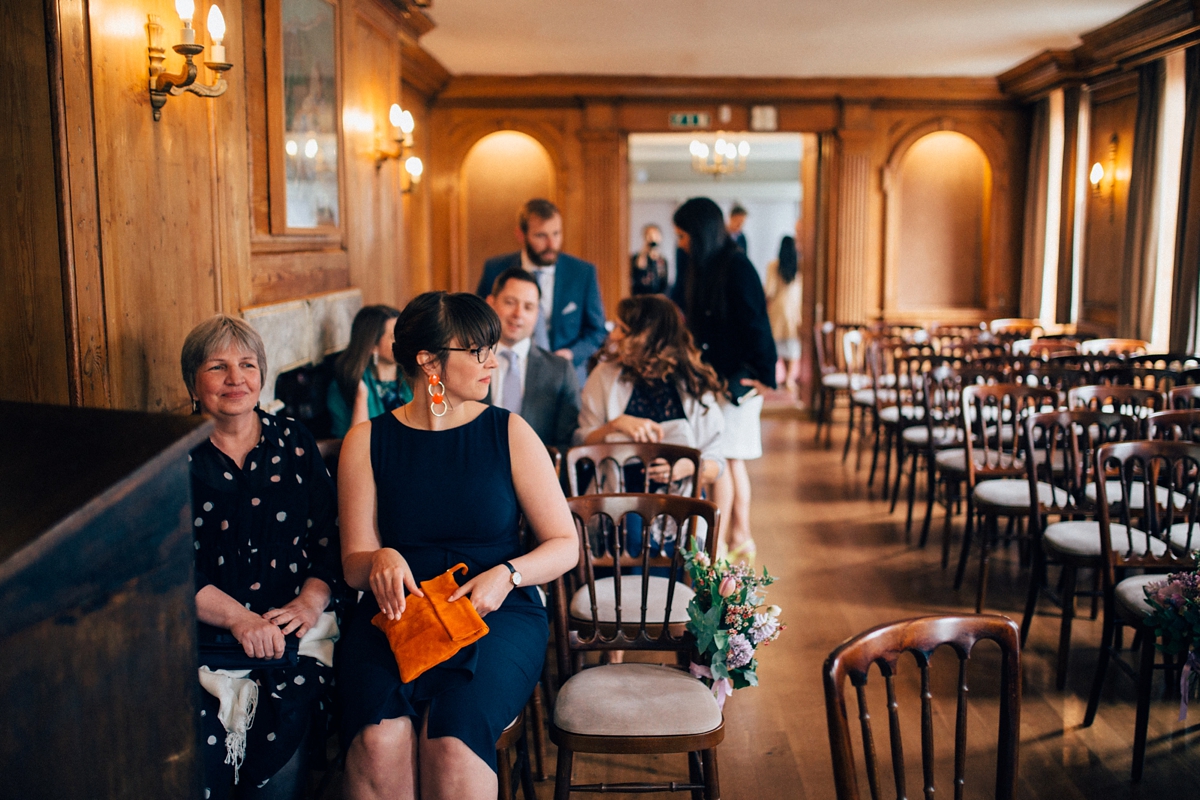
{"x": 550, "y": 403}
{"x": 732, "y": 329}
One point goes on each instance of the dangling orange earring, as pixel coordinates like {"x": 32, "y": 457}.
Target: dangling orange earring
{"x": 437, "y": 391}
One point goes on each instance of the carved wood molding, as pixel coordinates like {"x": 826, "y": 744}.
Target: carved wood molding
{"x": 413, "y": 18}
{"x": 1147, "y": 32}
{"x": 420, "y": 70}
{"x": 571, "y": 90}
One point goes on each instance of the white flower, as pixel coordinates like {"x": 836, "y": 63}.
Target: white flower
{"x": 764, "y": 629}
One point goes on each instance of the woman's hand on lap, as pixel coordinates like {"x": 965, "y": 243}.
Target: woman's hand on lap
{"x": 390, "y": 576}
{"x": 638, "y": 429}
{"x": 258, "y": 636}
{"x": 486, "y": 590}
{"x": 296, "y": 617}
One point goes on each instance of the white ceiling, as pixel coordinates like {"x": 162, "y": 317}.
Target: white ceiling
{"x": 757, "y": 38}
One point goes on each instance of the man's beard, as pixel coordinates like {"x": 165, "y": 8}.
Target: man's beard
{"x": 545, "y": 259}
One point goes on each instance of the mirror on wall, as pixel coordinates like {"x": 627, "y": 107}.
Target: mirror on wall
{"x": 664, "y": 172}
{"x": 310, "y": 113}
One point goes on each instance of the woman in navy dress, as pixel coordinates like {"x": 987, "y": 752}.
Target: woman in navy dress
{"x": 441, "y": 480}
{"x": 265, "y": 529}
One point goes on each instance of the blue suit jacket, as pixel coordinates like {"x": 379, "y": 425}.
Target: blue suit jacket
{"x": 577, "y": 316}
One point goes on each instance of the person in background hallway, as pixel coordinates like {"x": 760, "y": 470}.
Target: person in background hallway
{"x": 648, "y": 266}
{"x": 737, "y": 221}
{"x": 783, "y": 307}
{"x": 267, "y": 568}
{"x": 366, "y": 383}
{"x": 532, "y": 382}
{"x": 571, "y": 322}
{"x": 651, "y": 385}
{"x": 727, "y": 315}
{"x": 441, "y": 480}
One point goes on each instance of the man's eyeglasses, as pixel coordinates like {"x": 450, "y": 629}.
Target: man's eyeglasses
{"x": 482, "y": 354}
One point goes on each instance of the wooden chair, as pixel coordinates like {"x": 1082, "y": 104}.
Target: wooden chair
{"x": 1189, "y": 377}
{"x": 835, "y": 382}
{"x": 514, "y": 737}
{"x": 1176, "y": 426}
{"x": 1089, "y": 362}
{"x": 1128, "y": 400}
{"x": 896, "y": 381}
{"x": 854, "y": 356}
{"x": 1148, "y": 472}
{"x": 882, "y": 646}
{"x": 1184, "y": 397}
{"x": 1014, "y": 326}
{"x": 1121, "y": 347}
{"x": 1158, "y": 380}
{"x": 1062, "y": 445}
{"x": 633, "y": 708}
{"x": 1178, "y": 362}
{"x": 915, "y": 436}
{"x": 610, "y": 460}
{"x": 992, "y": 417}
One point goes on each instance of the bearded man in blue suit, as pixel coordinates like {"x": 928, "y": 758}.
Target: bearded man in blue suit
{"x": 571, "y": 318}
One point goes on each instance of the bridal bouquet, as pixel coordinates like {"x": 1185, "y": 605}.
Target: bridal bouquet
{"x": 729, "y": 621}
{"x": 1176, "y": 620}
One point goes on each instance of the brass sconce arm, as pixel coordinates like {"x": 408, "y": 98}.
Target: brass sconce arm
{"x": 164, "y": 85}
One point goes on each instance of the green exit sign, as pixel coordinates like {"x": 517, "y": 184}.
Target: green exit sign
{"x": 689, "y": 119}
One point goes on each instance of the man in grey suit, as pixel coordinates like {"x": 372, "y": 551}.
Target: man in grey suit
{"x": 571, "y": 320}
{"x": 531, "y": 381}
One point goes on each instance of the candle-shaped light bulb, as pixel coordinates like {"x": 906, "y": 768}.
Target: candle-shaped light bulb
{"x": 414, "y": 168}
{"x": 186, "y": 9}
{"x": 216, "y": 29}
{"x": 743, "y": 148}
{"x": 406, "y": 122}
{"x": 395, "y": 115}
{"x": 1096, "y": 175}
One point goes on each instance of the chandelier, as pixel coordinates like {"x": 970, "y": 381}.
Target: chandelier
{"x": 724, "y": 157}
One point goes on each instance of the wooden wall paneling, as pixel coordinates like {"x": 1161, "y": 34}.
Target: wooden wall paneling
{"x": 806, "y": 244}
{"x": 606, "y": 202}
{"x": 1066, "y": 226}
{"x": 1114, "y": 112}
{"x": 71, "y": 88}
{"x": 828, "y": 203}
{"x": 372, "y": 216}
{"x": 857, "y": 292}
{"x": 33, "y": 340}
{"x": 277, "y": 276}
{"x": 416, "y": 206}
{"x": 157, "y": 210}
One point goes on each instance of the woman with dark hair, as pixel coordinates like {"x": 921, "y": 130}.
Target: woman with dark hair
{"x": 783, "y": 309}
{"x": 727, "y": 315}
{"x": 650, "y": 385}
{"x": 366, "y": 381}
{"x": 266, "y": 546}
{"x": 441, "y": 480}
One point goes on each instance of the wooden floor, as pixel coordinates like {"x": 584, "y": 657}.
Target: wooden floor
{"x": 842, "y": 566}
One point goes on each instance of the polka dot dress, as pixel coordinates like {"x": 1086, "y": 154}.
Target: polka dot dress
{"x": 260, "y": 532}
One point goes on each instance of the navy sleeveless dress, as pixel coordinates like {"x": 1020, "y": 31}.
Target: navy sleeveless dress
{"x": 445, "y": 497}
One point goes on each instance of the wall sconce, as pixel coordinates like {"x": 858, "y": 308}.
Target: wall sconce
{"x": 163, "y": 85}
{"x": 1103, "y": 178}
{"x": 402, "y": 135}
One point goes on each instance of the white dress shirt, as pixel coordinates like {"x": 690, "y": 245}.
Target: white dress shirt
{"x": 521, "y": 349}
{"x": 545, "y": 279}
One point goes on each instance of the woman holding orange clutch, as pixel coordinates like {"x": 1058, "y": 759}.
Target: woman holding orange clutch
{"x": 441, "y": 480}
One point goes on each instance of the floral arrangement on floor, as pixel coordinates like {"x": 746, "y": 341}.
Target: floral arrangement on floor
{"x": 1176, "y": 620}
{"x": 729, "y": 621}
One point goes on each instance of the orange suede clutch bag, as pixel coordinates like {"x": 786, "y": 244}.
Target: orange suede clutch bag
{"x": 431, "y": 629}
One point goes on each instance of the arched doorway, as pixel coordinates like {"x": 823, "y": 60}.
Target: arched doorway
{"x": 500, "y": 172}
{"x": 939, "y": 205}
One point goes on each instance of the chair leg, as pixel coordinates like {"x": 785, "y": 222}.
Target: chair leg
{"x": 1064, "y": 634}
{"x": 1037, "y": 576}
{"x": 527, "y": 789}
{"x": 819, "y": 413}
{"x": 849, "y": 431}
{"x": 985, "y": 535}
{"x": 1142, "y": 721}
{"x": 562, "y": 774}
{"x": 912, "y": 495}
{"x": 712, "y": 782}
{"x": 1106, "y": 644}
{"x": 696, "y": 774}
{"x": 875, "y": 452}
{"x": 900, "y": 459}
{"x": 968, "y": 534}
{"x": 537, "y": 721}
{"x": 503, "y": 775}
{"x": 931, "y": 487}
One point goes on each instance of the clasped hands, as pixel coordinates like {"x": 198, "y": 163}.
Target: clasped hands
{"x": 262, "y": 635}
{"x": 391, "y": 577}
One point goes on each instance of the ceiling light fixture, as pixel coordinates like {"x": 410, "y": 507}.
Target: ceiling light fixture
{"x": 724, "y": 157}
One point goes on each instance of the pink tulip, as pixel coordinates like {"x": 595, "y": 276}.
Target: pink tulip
{"x": 728, "y": 586}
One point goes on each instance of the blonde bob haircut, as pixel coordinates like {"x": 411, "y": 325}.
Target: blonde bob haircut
{"x": 211, "y": 337}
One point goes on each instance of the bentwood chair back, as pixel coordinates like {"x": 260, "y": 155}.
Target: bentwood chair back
{"x": 1148, "y": 505}
{"x": 1014, "y": 326}
{"x": 1156, "y": 379}
{"x": 634, "y": 708}
{"x": 1128, "y": 400}
{"x": 1120, "y": 347}
{"x": 882, "y": 648}
{"x": 1181, "y": 425}
{"x": 1089, "y": 362}
{"x": 607, "y": 466}
{"x": 1184, "y": 397}
{"x": 1177, "y": 362}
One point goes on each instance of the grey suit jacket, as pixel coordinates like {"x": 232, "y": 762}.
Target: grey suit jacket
{"x": 551, "y": 401}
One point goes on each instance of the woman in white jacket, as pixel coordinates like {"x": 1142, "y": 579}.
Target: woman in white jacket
{"x": 650, "y": 385}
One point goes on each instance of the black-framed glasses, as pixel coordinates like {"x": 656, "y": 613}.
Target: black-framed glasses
{"x": 482, "y": 354}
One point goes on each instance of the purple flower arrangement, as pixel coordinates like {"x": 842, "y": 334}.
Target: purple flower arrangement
{"x": 729, "y": 621}
{"x": 1176, "y": 620}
